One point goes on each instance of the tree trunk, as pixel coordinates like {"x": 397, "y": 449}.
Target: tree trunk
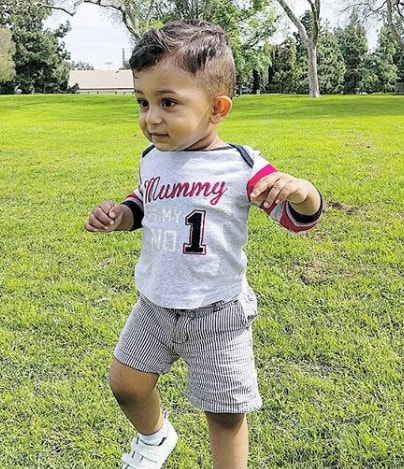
{"x": 314, "y": 89}
{"x": 309, "y": 42}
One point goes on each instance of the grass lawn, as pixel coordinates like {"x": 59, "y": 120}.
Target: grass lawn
{"x": 329, "y": 339}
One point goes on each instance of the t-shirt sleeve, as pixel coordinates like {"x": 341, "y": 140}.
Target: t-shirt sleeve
{"x": 135, "y": 202}
{"x": 283, "y": 213}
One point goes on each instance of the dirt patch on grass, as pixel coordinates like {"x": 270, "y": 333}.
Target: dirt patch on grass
{"x": 335, "y": 205}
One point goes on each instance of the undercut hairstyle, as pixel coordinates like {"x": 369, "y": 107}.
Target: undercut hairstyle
{"x": 198, "y": 47}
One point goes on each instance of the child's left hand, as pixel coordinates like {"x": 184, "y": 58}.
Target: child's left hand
{"x": 279, "y": 187}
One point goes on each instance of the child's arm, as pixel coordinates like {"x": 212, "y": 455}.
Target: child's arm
{"x": 108, "y": 216}
{"x": 294, "y": 203}
{"x": 281, "y": 187}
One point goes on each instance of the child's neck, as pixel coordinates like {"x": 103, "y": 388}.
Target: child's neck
{"x": 214, "y": 143}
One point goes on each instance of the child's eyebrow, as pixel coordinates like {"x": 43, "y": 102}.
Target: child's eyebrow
{"x": 166, "y": 91}
{"x": 158, "y": 92}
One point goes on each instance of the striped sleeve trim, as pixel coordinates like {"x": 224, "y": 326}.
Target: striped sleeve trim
{"x": 136, "y": 197}
{"x": 292, "y": 220}
{"x": 135, "y": 203}
{"x": 289, "y": 221}
{"x": 137, "y": 214}
{"x": 306, "y": 219}
{"x": 265, "y": 171}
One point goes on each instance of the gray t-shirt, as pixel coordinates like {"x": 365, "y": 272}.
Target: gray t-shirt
{"x": 194, "y": 207}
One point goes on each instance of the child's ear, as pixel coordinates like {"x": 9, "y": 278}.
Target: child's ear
{"x": 221, "y": 107}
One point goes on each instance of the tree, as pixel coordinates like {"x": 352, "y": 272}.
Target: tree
{"x": 283, "y": 70}
{"x": 383, "y": 60}
{"x": 7, "y": 50}
{"x": 81, "y": 66}
{"x": 248, "y": 27}
{"x": 331, "y": 65}
{"x": 136, "y": 15}
{"x": 39, "y": 58}
{"x": 247, "y": 24}
{"x": 399, "y": 55}
{"x": 309, "y": 38}
{"x": 288, "y": 72}
{"x": 391, "y": 12}
{"x": 354, "y": 47}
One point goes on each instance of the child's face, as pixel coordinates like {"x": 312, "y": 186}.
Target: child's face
{"x": 175, "y": 113}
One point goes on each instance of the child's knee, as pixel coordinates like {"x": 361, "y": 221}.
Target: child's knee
{"x": 225, "y": 421}
{"x": 128, "y": 385}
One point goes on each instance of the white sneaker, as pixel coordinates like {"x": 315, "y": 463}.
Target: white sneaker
{"x": 144, "y": 456}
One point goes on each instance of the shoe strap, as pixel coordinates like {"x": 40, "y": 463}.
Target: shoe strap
{"x": 147, "y": 456}
{"x": 132, "y": 464}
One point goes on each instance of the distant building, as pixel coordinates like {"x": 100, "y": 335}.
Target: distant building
{"x": 102, "y": 81}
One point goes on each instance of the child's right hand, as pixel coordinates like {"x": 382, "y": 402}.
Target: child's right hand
{"x": 105, "y": 217}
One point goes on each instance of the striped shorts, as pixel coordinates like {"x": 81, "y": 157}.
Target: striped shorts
{"x": 215, "y": 341}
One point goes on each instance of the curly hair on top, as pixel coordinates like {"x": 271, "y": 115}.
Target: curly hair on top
{"x": 198, "y": 47}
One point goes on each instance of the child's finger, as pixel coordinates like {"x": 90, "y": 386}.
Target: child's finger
{"x": 262, "y": 185}
{"x": 99, "y": 219}
{"x": 103, "y": 215}
{"x": 115, "y": 212}
{"x": 274, "y": 196}
{"x": 286, "y": 190}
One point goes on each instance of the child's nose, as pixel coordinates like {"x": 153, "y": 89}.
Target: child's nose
{"x": 153, "y": 115}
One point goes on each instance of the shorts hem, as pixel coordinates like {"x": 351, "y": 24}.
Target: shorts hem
{"x": 217, "y": 408}
{"x": 145, "y": 368}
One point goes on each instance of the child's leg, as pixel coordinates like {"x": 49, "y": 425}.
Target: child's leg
{"x": 228, "y": 434}
{"x": 137, "y": 396}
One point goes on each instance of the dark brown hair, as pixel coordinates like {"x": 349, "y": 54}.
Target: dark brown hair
{"x": 198, "y": 47}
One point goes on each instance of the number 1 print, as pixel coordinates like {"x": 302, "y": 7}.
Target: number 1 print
{"x": 196, "y": 220}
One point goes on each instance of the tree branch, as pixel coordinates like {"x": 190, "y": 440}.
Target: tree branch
{"x": 399, "y": 4}
{"x": 295, "y": 20}
{"x": 130, "y": 21}
{"x": 315, "y": 11}
{"x": 390, "y": 20}
{"x": 150, "y": 11}
{"x": 72, "y": 12}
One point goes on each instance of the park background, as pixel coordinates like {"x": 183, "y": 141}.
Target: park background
{"x": 313, "y": 46}
{"x": 329, "y": 336}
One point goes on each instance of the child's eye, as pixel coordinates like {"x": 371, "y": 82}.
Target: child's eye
{"x": 166, "y": 102}
{"x": 142, "y": 103}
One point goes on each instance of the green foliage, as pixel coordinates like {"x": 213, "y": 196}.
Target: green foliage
{"x": 329, "y": 336}
{"x": 288, "y": 73}
{"x": 344, "y": 62}
{"x": 80, "y": 65}
{"x": 248, "y": 25}
{"x": 365, "y": 71}
{"x": 380, "y": 66}
{"x": 39, "y": 59}
{"x": 7, "y": 49}
{"x": 354, "y": 48}
{"x": 331, "y": 65}
{"x": 399, "y": 52}
{"x": 283, "y": 71}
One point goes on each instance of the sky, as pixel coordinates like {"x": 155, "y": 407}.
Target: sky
{"x": 94, "y": 37}
{"x": 98, "y": 40}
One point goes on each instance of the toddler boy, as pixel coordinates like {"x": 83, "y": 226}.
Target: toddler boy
{"x": 192, "y": 201}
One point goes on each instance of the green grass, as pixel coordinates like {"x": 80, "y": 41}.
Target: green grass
{"x": 329, "y": 338}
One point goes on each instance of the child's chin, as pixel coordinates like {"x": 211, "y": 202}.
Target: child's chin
{"x": 164, "y": 147}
